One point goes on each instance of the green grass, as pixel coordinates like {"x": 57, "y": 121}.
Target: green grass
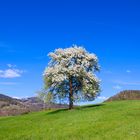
{"x": 109, "y": 121}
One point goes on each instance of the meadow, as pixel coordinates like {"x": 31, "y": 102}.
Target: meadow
{"x": 118, "y": 120}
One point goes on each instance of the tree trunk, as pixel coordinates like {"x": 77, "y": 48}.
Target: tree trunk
{"x": 70, "y": 95}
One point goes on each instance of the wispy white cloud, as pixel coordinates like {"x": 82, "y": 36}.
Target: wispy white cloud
{"x": 131, "y": 83}
{"x": 16, "y": 97}
{"x": 11, "y": 66}
{"x": 102, "y": 98}
{"x": 128, "y": 71}
{"x": 22, "y": 97}
{"x": 4, "y": 47}
{"x": 117, "y": 87}
{"x": 10, "y": 73}
{"x": 127, "y": 83}
{"x": 107, "y": 72}
{"x": 8, "y": 83}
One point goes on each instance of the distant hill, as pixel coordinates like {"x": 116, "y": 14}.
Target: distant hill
{"x": 12, "y": 106}
{"x": 125, "y": 95}
{"x": 7, "y": 98}
{"x": 35, "y": 104}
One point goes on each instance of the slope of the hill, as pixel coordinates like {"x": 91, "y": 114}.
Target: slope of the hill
{"x": 118, "y": 120}
{"x": 126, "y": 95}
{"x": 8, "y": 99}
{"x": 11, "y": 106}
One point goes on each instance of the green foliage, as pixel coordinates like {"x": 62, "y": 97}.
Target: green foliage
{"x": 109, "y": 121}
{"x": 45, "y": 97}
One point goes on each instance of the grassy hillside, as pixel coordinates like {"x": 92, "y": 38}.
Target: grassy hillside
{"x": 119, "y": 120}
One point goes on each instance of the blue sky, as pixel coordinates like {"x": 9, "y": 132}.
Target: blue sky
{"x": 29, "y": 30}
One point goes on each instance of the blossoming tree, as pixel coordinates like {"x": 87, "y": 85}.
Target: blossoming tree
{"x": 70, "y": 75}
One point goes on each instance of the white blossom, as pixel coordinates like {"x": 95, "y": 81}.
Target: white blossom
{"x": 74, "y": 62}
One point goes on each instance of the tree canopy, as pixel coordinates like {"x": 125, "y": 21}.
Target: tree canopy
{"x": 70, "y": 75}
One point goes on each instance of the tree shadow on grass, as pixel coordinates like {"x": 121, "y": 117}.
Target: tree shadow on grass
{"x": 90, "y": 106}
{"x": 75, "y": 108}
{"x": 57, "y": 111}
